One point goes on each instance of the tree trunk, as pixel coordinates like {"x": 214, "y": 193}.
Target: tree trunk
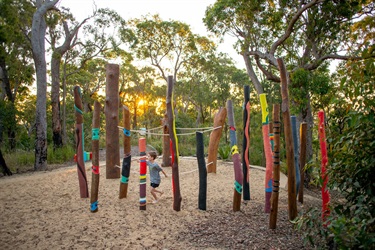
{"x": 55, "y": 100}
{"x": 246, "y": 144}
{"x": 174, "y": 145}
{"x": 82, "y": 179}
{"x": 38, "y": 32}
{"x": 5, "y": 169}
{"x": 95, "y": 176}
{"x": 126, "y": 162}
{"x": 238, "y": 175}
{"x": 111, "y": 120}
{"x": 215, "y": 136}
{"x": 292, "y": 191}
{"x": 166, "y": 138}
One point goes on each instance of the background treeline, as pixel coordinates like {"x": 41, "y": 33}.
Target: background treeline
{"x": 37, "y": 127}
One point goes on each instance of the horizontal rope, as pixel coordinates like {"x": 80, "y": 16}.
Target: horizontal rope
{"x": 149, "y": 133}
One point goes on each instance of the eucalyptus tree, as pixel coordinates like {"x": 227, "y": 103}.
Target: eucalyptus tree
{"x": 38, "y": 35}
{"x": 304, "y": 33}
{"x": 139, "y": 88}
{"x": 99, "y": 39}
{"x": 16, "y": 69}
{"x": 168, "y": 45}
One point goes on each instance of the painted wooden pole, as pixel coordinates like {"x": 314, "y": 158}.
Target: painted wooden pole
{"x": 276, "y": 166}
{"x": 202, "y": 196}
{"x": 270, "y": 129}
{"x": 95, "y": 157}
{"x": 292, "y": 194}
{"x": 246, "y": 144}
{"x": 166, "y": 149}
{"x": 142, "y": 173}
{"x": 111, "y": 122}
{"x": 293, "y": 120}
{"x": 174, "y": 142}
{"x": 213, "y": 146}
{"x": 267, "y": 152}
{"x": 302, "y": 159}
{"x": 79, "y": 136}
{"x": 324, "y": 176}
{"x": 238, "y": 174}
{"x": 126, "y": 162}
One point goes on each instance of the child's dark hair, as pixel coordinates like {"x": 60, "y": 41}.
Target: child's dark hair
{"x": 153, "y": 154}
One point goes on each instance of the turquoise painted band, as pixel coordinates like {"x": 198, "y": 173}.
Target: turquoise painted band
{"x": 124, "y": 179}
{"x": 238, "y": 187}
{"x": 95, "y": 134}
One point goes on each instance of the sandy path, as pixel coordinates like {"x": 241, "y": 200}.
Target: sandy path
{"x": 43, "y": 210}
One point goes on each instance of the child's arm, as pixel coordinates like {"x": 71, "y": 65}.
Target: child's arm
{"x": 164, "y": 173}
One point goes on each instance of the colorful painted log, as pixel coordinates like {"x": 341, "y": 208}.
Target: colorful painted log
{"x": 166, "y": 149}
{"x": 213, "y": 146}
{"x": 111, "y": 122}
{"x": 293, "y": 120}
{"x": 79, "y": 136}
{"x": 276, "y": 166}
{"x": 95, "y": 136}
{"x": 270, "y": 129}
{"x": 126, "y": 162}
{"x": 142, "y": 173}
{"x": 174, "y": 152}
{"x": 202, "y": 195}
{"x": 302, "y": 159}
{"x": 292, "y": 194}
{"x": 246, "y": 144}
{"x": 238, "y": 174}
{"x": 324, "y": 176}
{"x": 267, "y": 152}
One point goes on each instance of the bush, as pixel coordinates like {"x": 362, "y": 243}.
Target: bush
{"x": 351, "y": 223}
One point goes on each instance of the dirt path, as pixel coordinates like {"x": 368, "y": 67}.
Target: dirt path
{"x": 43, "y": 210}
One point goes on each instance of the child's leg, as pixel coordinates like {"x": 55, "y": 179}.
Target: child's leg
{"x": 153, "y": 192}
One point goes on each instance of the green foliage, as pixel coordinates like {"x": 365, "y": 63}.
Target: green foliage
{"x": 60, "y": 155}
{"x": 224, "y": 151}
{"x": 351, "y": 223}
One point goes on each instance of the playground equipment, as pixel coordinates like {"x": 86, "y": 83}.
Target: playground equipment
{"x": 267, "y": 152}
{"x": 174, "y": 147}
{"x": 111, "y": 121}
{"x": 324, "y": 176}
{"x": 126, "y": 163}
{"x": 246, "y": 144}
{"x": 219, "y": 120}
{"x": 142, "y": 173}
{"x": 95, "y": 158}
{"x": 202, "y": 196}
{"x": 293, "y": 120}
{"x": 276, "y": 166}
{"x": 238, "y": 175}
{"x": 302, "y": 159}
{"x": 292, "y": 194}
{"x": 79, "y": 135}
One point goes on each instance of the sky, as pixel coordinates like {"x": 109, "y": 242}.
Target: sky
{"x": 188, "y": 11}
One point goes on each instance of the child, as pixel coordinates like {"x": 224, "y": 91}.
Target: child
{"x": 154, "y": 169}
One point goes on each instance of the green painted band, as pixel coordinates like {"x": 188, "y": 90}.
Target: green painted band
{"x": 124, "y": 179}
{"x": 238, "y": 187}
{"x": 95, "y": 134}
{"x": 77, "y": 109}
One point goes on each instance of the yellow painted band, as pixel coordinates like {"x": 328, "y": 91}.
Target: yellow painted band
{"x": 264, "y": 106}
